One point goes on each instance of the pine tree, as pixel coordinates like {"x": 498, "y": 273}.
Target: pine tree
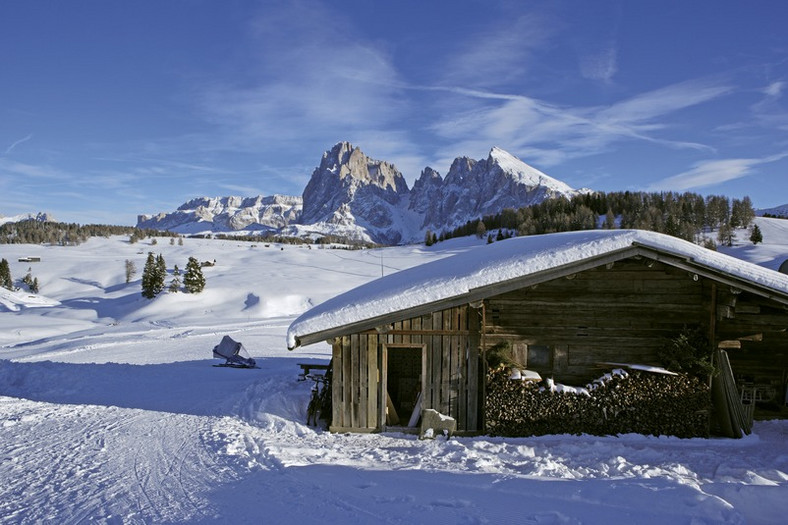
{"x": 755, "y": 235}
{"x": 161, "y": 273}
{"x": 481, "y": 230}
{"x": 748, "y": 213}
{"x": 148, "y": 277}
{"x": 610, "y": 220}
{"x": 153, "y": 276}
{"x": 428, "y": 240}
{"x": 193, "y": 279}
{"x": 5, "y": 275}
{"x": 726, "y": 235}
{"x": 131, "y": 270}
{"x": 175, "y": 284}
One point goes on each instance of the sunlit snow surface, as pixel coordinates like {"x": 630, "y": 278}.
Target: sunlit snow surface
{"x": 111, "y": 412}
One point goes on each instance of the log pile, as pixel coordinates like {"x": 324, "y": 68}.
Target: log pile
{"x": 620, "y": 402}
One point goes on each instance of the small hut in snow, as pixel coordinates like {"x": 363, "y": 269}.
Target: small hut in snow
{"x": 561, "y": 303}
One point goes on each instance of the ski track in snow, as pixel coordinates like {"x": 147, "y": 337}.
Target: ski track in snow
{"x": 118, "y": 464}
{"x": 128, "y": 422}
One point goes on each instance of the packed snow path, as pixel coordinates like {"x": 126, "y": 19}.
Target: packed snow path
{"x": 75, "y": 463}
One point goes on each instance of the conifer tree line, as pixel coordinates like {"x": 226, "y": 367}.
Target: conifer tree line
{"x": 154, "y": 275}
{"x": 683, "y": 215}
{"x": 66, "y": 234}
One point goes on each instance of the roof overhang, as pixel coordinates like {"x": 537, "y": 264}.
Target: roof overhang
{"x": 473, "y": 295}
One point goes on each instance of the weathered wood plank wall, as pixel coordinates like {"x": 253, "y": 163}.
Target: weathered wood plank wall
{"x": 450, "y": 369}
{"x": 621, "y": 313}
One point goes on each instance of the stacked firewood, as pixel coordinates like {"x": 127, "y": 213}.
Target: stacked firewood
{"x": 618, "y": 403}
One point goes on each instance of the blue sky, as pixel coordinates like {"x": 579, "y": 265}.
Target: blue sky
{"x": 109, "y": 109}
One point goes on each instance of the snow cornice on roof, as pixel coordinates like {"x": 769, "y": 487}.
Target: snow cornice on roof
{"x": 516, "y": 263}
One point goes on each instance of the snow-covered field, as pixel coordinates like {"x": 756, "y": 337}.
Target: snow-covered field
{"x": 111, "y": 412}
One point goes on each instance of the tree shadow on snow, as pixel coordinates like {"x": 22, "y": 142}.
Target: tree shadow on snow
{"x": 105, "y": 307}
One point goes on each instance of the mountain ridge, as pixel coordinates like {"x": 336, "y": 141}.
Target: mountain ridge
{"x": 356, "y": 196}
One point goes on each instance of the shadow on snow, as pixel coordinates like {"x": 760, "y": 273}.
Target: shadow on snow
{"x": 188, "y": 387}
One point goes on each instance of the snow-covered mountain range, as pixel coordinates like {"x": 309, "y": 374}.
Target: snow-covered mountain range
{"x": 778, "y": 211}
{"x": 353, "y": 195}
{"x": 41, "y": 217}
{"x": 226, "y": 214}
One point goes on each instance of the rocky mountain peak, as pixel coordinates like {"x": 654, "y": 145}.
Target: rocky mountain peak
{"x": 355, "y": 196}
{"x": 347, "y": 177}
{"x": 426, "y": 193}
{"x": 522, "y": 173}
{"x": 460, "y": 169}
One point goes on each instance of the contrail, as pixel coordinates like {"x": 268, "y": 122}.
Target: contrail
{"x": 17, "y": 143}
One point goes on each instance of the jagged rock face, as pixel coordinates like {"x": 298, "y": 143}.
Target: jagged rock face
{"x": 349, "y": 186}
{"x": 228, "y": 214}
{"x": 426, "y": 196}
{"x": 472, "y": 189}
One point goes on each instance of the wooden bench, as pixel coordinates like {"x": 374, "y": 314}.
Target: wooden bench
{"x": 308, "y": 367}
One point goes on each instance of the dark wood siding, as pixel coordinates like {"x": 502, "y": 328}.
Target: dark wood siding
{"x": 618, "y": 313}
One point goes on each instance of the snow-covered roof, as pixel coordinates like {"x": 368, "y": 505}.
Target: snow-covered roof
{"x": 470, "y": 275}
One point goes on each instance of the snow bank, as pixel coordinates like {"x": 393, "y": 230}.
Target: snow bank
{"x": 13, "y": 301}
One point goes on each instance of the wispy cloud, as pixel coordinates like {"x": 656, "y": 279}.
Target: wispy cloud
{"x": 318, "y": 87}
{"x": 775, "y": 89}
{"x": 657, "y": 103}
{"x": 13, "y": 168}
{"x": 556, "y": 133}
{"x": 769, "y": 111}
{"x": 10, "y": 148}
{"x": 496, "y": 54}
{"x": 317, "y": 83}
{"x": 712, "y": 172}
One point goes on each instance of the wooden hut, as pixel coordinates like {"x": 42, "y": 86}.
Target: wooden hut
{"x": 562, "y": 303}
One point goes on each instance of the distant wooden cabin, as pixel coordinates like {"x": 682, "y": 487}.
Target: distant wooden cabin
{"x": 563, "y": 303}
